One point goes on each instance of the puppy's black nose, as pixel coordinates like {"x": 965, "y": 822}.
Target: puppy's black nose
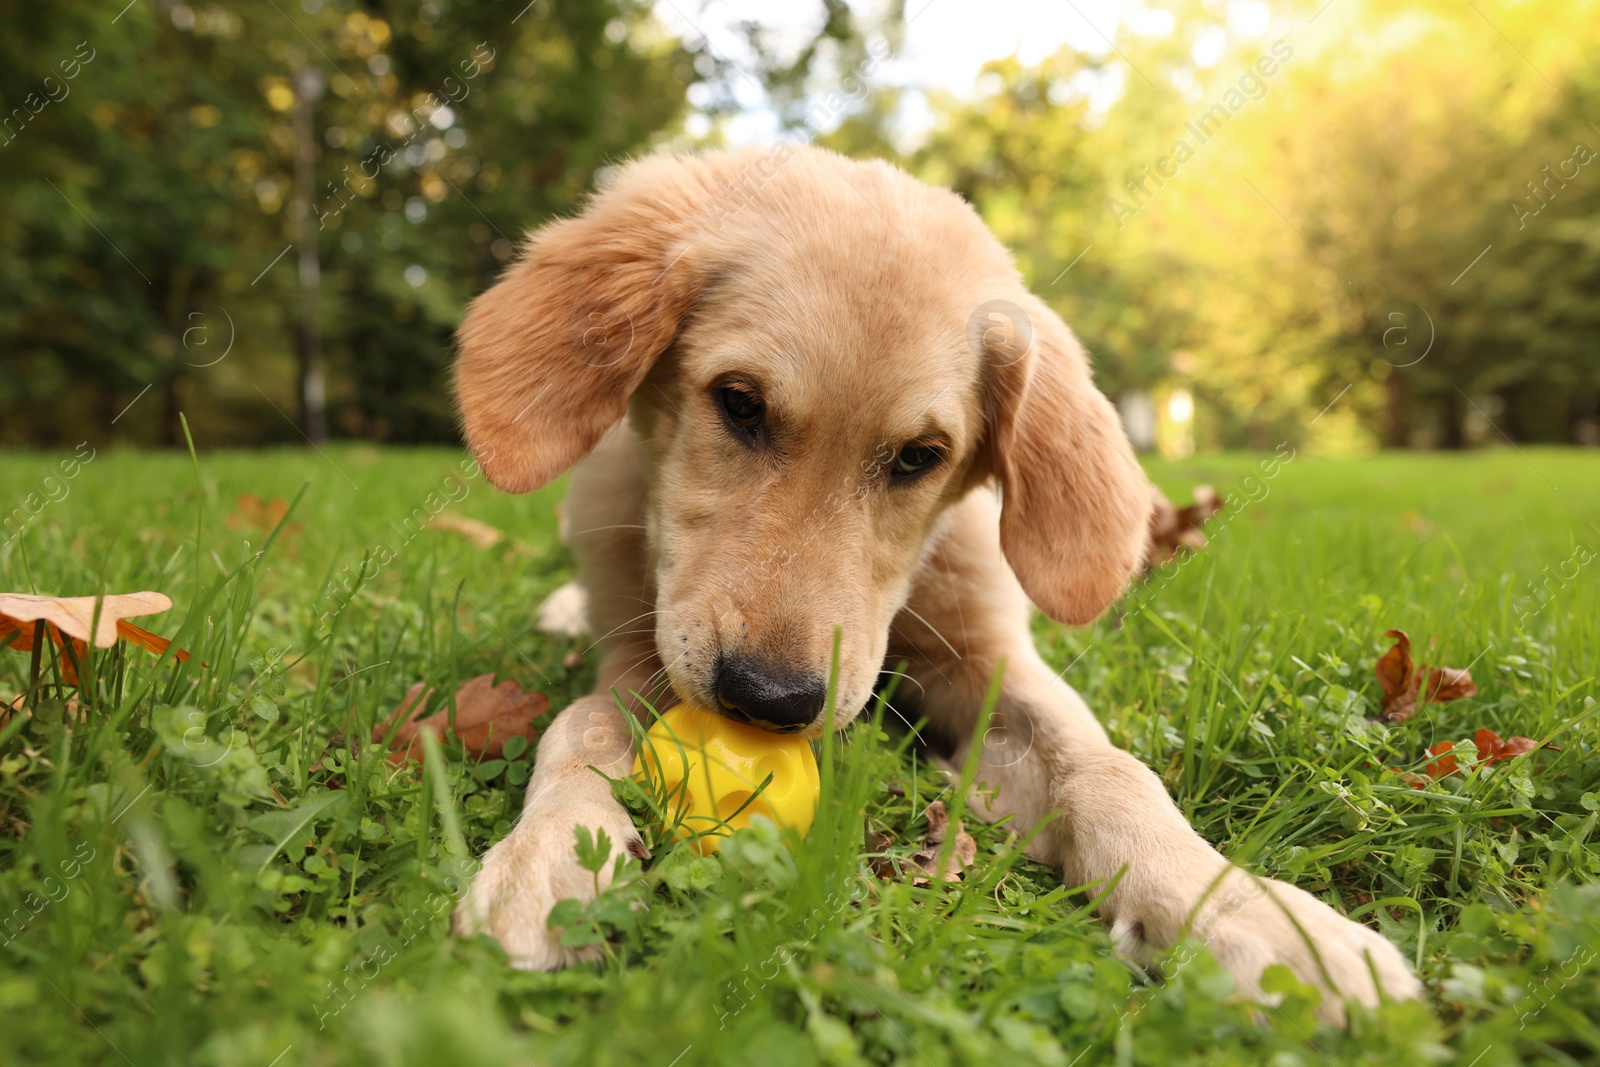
{"x": 767, "y": 696}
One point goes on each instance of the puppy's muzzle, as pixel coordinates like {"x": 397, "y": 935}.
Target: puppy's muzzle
{"x": 765, "y": 695}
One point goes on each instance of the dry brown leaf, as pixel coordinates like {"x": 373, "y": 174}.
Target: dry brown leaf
{"x": 1492, "y": 750}
{"x": 878, "y": 842}
{"x": 919, "y": 868}
{"x": 1417, "y": 524}
{"x": 1444, "y": 761}
{"x": 481, "y": 534}
{"x": 74, "y": 615}
{"x": 1175, "y": 530}
{"x": 963, "y": 851}
{"x": 486, "y": 716}
{"x": 1402, "y": 681}
{"x": 938, "y": 817}
{"x": 21, "y": 612}
{"x": 1396, "y": 674}
{"x": 1448, "y": 683}
{"x": 251, "y": 512}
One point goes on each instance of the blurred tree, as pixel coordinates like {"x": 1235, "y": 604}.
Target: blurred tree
{"x": 150, "y": 209}
{"x": 1272, "y": 222}
{"x": 1397, "y": 211}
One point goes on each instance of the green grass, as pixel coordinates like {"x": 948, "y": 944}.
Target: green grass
{"x": 215, "y": 868}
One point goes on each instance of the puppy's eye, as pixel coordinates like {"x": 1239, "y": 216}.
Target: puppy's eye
{"x": 744, "y": 409}
{"x": 913, "y": 459}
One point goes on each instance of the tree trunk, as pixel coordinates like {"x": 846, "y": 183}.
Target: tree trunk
{"x": 313, "y": 394}
{"x": 1397, "y": 413}
{"x": 1452, "y": 433}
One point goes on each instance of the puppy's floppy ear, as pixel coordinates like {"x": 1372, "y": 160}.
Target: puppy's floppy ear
{"x": 1075, "y": 512}
{"x": 550, "y": 355}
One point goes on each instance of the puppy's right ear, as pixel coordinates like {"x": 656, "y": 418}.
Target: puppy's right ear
{"x": 550, "y": 355}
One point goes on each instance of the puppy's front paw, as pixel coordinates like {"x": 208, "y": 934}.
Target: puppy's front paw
{"x": 535, "y": 867}
{"x": 1251, "y": 923}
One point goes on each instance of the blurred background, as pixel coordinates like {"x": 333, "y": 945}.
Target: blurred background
{"x": 1348, "y": 225}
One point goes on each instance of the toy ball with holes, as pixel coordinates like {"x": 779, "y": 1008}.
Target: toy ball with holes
{"x": 709, "y": 771}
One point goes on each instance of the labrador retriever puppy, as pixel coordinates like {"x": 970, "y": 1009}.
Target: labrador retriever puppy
{"x": 811, "y": 393}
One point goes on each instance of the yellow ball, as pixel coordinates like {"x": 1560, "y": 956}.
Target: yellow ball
{"x": 723, "y": 763}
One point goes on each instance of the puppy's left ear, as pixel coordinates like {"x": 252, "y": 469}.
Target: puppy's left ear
{"x": 1075, "y": 511}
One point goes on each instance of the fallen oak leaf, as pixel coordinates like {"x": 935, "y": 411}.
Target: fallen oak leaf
{"x": 1448, "y": 683}
{"x": 74, "y": 615}
{"x": 938, "y": 817}
{"x": 20, "y": 614}
{"x": 923, "y": 862}
{"x": 487, "y": 715}
{"x": 1402, "y": 681}
{"x": 922, "y": 865}
{"x": 965, "y": 852}
{"x": 878, "y": 840}
{"x": 1397, "y": 677}
{"x": 1444, "y": 762}
{"x": 1492, "y": 750}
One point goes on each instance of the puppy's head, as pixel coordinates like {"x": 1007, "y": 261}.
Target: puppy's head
{"x": 819, "y": 357}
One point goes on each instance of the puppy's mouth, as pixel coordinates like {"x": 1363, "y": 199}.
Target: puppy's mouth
{"x": 729, "y": 711}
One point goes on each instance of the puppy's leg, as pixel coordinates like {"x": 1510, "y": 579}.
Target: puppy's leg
{"x": 536, "y": 865}
{"x": 1045, "y": 755}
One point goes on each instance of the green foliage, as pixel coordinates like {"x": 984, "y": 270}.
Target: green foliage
{"x": 147, "y": 172}
{"x": 1317, "y": 231}
{"x": 145, "y": 208}
{"x": 186, "y": 880}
